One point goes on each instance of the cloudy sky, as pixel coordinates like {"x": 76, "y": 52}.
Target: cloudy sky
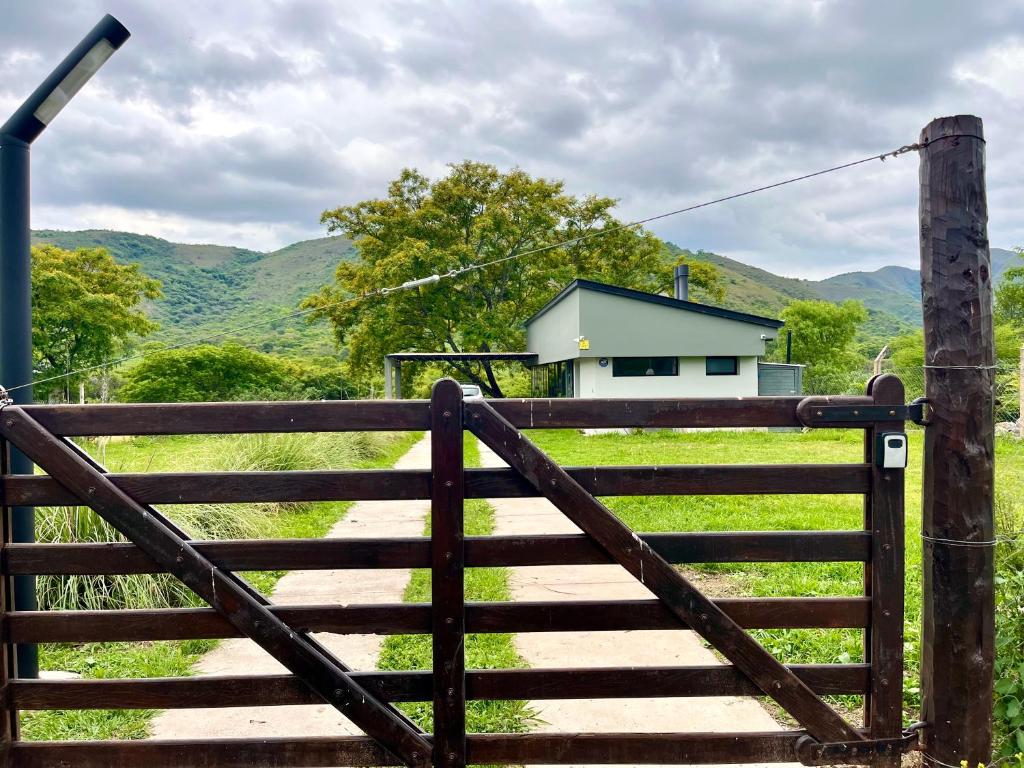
{"x": 239, "y": 121}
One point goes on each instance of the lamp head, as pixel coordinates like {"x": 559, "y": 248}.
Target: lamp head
{"x": 65, "y": 81}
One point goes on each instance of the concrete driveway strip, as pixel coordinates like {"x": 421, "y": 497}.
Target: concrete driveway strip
{"x": 238, "y": 656}
{"x": 605, "y": 649}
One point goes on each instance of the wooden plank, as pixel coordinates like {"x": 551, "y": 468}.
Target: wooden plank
{"x": 482, "y": 749}
{"x": 957, "y": 648}
{"x": 447, "y": 575}
{"x": 404, "y": 484}
{"x": 233, "y": 600}
{"x": 674, "y": 590}
{"x": 578, "y": 413}
{"x": 885, "y": 579}
{"x": 481, "y": 551}
{"x": 532, "y": 684}
{"x": 226, "y": 418}
{"x": 406, "y": 415}
{"x": 415, "y": 618}
{"x": 8, "y": 666}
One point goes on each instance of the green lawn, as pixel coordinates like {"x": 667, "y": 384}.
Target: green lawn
{"x": 795, "y": 512}
{"x": 175, "y": 659}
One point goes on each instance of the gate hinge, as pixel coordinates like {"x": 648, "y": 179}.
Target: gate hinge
{"x": 810, "y": 751}
{"x": 815, "y": 414}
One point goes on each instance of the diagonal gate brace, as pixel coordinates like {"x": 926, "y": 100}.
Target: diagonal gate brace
{"x": 244, "y": 608}
{"x": 671, "y": 587}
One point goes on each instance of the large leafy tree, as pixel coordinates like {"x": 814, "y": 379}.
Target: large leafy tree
{"x": 474, "y": 214}
{"x": 202, "y": 373}
{"x": 86, "y": 310}
{"x": 823, "y": 340}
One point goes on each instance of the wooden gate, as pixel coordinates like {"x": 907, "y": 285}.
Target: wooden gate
{"x": 368, "y": 698}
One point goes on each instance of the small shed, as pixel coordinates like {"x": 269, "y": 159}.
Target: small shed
{"x": 780, "y": 379}
{"x": 600, "y": 340}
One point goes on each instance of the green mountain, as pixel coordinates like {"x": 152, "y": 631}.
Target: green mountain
{"x": 210, "y": 289}
{"x": 892, "y": 295}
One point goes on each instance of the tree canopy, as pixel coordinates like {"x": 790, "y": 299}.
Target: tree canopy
{"x": 1009, "y": 298}
{"x": 86, "y": 310}
{"x": 474, "y": 214}
{"x": 823, "y": 340}
{"x": 207, "y": 372}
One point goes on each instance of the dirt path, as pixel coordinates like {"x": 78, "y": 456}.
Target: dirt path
{"x": 365, "y": 519}
{"x": 603, "y": 649}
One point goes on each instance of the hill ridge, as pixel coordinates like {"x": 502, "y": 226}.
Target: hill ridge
{"x": 211, "y": 288}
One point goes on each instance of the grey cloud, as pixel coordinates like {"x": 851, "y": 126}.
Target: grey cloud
{"x": 658, "y": 103}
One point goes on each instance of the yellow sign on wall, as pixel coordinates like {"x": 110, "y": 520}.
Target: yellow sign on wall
{"x": 584, "y": 343}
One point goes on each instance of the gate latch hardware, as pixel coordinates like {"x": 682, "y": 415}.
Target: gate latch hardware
{"x": 810, "y": 751}
{"x": 821, "y": 415}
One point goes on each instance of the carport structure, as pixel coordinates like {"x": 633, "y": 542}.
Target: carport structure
{"x": 393, "y": 364}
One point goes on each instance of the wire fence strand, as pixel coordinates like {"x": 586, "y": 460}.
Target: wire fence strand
{"x": 457, "y": 272}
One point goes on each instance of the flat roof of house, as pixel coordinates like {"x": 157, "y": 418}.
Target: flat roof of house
{"x": 524, "y": 357}
{"x": 654, "y": 298}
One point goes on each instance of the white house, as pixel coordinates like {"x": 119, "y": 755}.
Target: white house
{"x": 598, "y": 340}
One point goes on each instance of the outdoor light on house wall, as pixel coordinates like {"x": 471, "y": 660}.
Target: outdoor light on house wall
{"x": 16, "y": 137}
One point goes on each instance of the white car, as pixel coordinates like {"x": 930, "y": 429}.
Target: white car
{"x": 471, "y": 390}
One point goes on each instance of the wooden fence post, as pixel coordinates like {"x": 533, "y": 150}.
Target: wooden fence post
{"x": 958, "y": 651}
{"x": 448, "y": 574}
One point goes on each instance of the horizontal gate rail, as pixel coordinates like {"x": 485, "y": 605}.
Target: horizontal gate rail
{"x": 415, "y": 618}
{"x": 414, "y": 552}
{"x": 507, "y": 749}
{"x": 391, "y": 485}
{"x": 412, "y": 415}
{"x": 537, "y": 684}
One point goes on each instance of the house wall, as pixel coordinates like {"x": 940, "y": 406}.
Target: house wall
{"x": 594, "y": 381}
{"x": 616, "y": 325}
{"x": 551, "y": 336}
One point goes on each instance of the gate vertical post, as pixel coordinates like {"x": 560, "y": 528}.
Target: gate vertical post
{"x": 958, "y": 652}
{"x": 884, "y": 577}
{"x": 448, "y": 576}
{"x": 8, "y": 666}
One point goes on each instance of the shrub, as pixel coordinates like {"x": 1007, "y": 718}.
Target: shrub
{"x": 1009, "y": 667}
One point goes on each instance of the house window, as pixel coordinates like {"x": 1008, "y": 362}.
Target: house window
{"x": 553, "y": 380}
{"x": 645, "y": 366}
{"x": 721, "y": 366}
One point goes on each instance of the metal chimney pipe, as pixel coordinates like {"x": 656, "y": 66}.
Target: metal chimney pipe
{"x": 682, "y": 277}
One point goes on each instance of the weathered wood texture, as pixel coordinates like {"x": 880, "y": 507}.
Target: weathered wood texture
{"x": 481, "y": 551}
{"x": 415, "y": 618}
{"x": 884, "y": 578}
{"x": 406, "y": 415}
{"x": 489, "y": 749}
{"x": 8, "y": 710}
{"x": 958, "y": 640}
{"x": 537, "y": 684}
{"x": 447, "y": 582}
{"x": 231, "y": 600}
{"x": 405, "y": 484}
{"x": 674, "y": 591}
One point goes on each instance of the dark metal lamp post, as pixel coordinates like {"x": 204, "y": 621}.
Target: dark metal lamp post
{"x": 16, "y": 137}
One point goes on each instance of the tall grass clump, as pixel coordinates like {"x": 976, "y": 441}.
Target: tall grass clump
{"x": 294, "y": 451}
{"x": 80, "y": 525}
{"x": 1008, "y": 714}
{"x": 238, "y": 453}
